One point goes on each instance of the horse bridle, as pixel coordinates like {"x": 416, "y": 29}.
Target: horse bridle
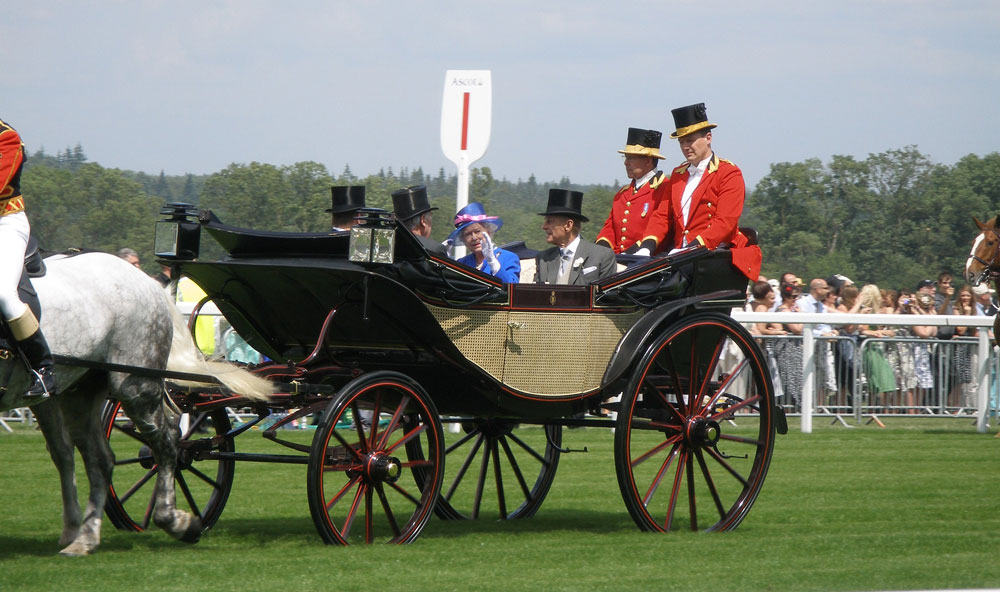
{"x": 992, "y": 267}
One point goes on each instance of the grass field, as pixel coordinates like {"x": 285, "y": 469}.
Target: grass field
{"x": 913, "y": 506}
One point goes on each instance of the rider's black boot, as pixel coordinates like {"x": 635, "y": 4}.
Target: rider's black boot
{"x": 36, "y": 351}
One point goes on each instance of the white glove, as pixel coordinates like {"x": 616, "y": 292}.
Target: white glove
{"x": 488, "y": 255}
{"x": 643, "y": 252}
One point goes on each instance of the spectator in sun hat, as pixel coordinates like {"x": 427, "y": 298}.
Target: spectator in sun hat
{"x": 984, "y": 300}
{"x": 346, "y": 200}
{"x": 476, "y": 230}
{"x": 632, "y": 206}
{"x": 570, "y": 260}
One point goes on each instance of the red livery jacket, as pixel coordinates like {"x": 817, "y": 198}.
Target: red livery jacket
{"x": 11, "y": 161}
{"x": 631, "y": 210}
{"x": 713, "y": 217}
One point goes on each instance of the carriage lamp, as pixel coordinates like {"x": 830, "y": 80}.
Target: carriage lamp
{"x": 178, "y": 236}
{"x": 373, "y": 237}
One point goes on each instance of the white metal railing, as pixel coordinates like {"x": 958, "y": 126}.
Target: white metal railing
{"x": 986, "y": 354}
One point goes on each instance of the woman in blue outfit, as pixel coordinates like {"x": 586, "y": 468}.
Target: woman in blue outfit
{"x": 476, "y": 229}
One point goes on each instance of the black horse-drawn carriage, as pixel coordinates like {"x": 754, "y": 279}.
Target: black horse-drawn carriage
{"x": 390, "y": 343}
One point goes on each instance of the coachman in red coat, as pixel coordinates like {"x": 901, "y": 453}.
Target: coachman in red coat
{"x": 632, "y": 207}
{"x": 701, "y": 202}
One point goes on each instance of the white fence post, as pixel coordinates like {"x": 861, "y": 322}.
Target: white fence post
{"x": 983, "y": 380}
{"x": 808, "y": 378}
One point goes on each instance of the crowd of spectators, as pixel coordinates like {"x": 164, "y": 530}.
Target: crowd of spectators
{"x": 904, "y": 368}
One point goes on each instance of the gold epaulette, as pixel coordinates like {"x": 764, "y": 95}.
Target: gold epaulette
{"x": 680, "y": 170}
{"x": 656, "y": 180}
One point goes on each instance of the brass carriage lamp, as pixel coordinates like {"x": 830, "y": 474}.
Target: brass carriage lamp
{"x": 373, "y": 237}
{"x": 179, "y": 235}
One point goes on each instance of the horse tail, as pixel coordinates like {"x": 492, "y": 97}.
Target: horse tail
{"x": 186, "y": 357}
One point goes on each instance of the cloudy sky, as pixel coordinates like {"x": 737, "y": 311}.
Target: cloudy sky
{"x": 192, "y": 86}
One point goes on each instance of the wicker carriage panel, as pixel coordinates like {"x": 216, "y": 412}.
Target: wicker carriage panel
{"x": 478, "y": 334}
{"x": 561, "y": 353}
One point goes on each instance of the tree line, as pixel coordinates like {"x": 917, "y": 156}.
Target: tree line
{"x": 893, "y": 218}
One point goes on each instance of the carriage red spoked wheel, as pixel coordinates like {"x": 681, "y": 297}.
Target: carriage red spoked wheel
{"x": 696, "y": 428}
{"x": 361, "y": 490}
{"x": 202, "y": 486}
{"x": 500, "y": 462}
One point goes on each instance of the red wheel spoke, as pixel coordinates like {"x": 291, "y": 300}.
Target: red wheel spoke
{"x": 336, "y": 497}
{"x": 138, "y": 484}
{"x": 369, "y": 517}
{"x": 673, "y": 440}
{"x": 376, "y": 411}
{"x": 725, "y": 384}
{"x": 405, "y": 493}
{"x": 692, "y": 503}
{"x": 353, "y": 510}
{"x": 675, "y": 489}
{"x": 350, "y": 447}
{"x": 740, "y": 439}
{"x": 387, "y": 509}
{"x": 672, "y": 370}
{"x": 187, "y": 494}
{"x": 729, "y": 410}
{"x": 713, "y": 363}
{"x": 416, "y": 431}
{"x": 360, "y": 429}
{"x": 722, "y": 461}
{"x": 659, "y": 475}
{"x": 394, "y": 422}
{"x": 711, "y": 483}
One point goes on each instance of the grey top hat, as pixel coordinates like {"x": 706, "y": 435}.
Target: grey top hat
{"x": 564, "y": 202}
{"x": 410, "y": 202}
{"x": 347, "y": 198}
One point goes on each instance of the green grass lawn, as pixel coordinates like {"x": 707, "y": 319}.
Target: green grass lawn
{"x": 913, "y": 506}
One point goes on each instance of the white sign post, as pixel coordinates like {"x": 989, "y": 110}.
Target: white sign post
{"x": 466, "y": 116}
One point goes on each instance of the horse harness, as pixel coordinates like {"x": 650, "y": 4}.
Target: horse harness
{"x": 993, "y": 264}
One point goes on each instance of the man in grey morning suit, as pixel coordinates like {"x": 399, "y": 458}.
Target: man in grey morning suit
{"x": 570, "y": 261}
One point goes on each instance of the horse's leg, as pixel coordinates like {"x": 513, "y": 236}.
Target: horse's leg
{"x": 142, "y": 400}
{"x": 83, "y": 412}
{"x": 50, "y": 419}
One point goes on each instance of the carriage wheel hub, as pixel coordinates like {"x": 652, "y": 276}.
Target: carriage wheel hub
{"x": 382, "y": 467}
{"x": 702, "y": 432}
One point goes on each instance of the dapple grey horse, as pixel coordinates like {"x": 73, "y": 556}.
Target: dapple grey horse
{"x": 100, "y": 308}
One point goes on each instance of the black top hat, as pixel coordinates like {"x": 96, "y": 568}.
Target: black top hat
{"x": 643, "y": 142}
{"x": 347, "y": 198}
{"x": 563, "y": 202}
{"x": 410, "y": 202}
{"x": 690, "y": 119}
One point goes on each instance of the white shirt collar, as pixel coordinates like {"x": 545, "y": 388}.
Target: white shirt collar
{"x": 571, "y": 247}
{"x": 645, "y": 178}
{"x": 700, "y": 167}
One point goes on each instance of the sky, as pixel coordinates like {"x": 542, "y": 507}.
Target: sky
{"x": 192, "y": 86}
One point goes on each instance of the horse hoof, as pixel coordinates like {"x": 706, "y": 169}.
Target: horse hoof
{"x": 76, "y": 550}
{"x": 193, "y": 532}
